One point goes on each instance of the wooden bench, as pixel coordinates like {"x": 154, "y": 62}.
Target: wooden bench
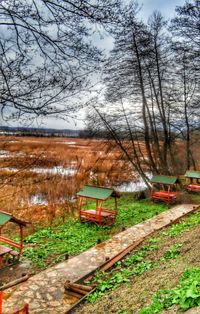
{"x": 192, "y": 181}
{"x": 96, "y": 212}
{"x": 4, "y": 251}
{"x": 165, "y": 196}
{"x": 15, "y": 248}
{"x": 15, "y": 254}
{"x": 164, "y": 188}
{"x": 193, "y": 187}
{"x": 23, "y": 310}
{"x": 101, "y": 216}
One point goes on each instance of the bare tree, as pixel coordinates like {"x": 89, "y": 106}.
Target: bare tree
{"x": 186, "y": 96}
{"x": 46, "y": 55}
{"x": 186, "y": 23}
{"x": 137, "y": 72}
{"x": 186, "y": 43}
{"x": 151, "y": 94}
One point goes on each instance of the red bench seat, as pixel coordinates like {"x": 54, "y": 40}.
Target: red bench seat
{"x": 164, "y": 196}
{"x": 94, "y": 212}
{"x": 193, "y": 187}
{"x": 103, "y": 216}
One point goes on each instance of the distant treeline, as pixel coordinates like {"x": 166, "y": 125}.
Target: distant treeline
{"x": 38, "y": 132}
{"x": 123, "y": 135}
{"x": 93, "y": 133}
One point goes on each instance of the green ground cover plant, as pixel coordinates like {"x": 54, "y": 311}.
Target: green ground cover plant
{"x": 172, "y": 252}
{"x": 195, "y": 197}
{"x": 71, "y": 238}
{"x": 189, "y": 222}
{"x": 135, "y": 264}
{"x": 49, "y": 245}
{"x": 185, "y": 295}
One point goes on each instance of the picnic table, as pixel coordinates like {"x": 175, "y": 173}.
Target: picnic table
{"x": 99, "y": 214}
{"x": 192, "y": 181}
{"x": 164, "y": 188}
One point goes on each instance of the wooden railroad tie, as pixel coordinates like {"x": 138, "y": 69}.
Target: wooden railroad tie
{"x": 76, "y": 290}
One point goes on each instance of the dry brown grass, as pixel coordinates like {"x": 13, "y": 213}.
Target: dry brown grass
{"x": 91, "y": 160}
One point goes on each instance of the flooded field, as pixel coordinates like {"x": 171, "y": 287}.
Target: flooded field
{"x": 39, "y": 177}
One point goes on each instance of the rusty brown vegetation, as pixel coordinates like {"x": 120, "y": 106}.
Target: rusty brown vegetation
{"x": 40, "y": 176}
{"x": 53, "y": 169}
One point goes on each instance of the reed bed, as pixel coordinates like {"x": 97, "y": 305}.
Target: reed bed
{"x": 55, "y": 169}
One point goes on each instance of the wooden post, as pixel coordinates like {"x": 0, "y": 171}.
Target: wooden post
{"x": 77, "y": 288}
{"x": 168, "y": 194}
{"x": 1, "y": 301}
{"x": 151, "y": 193}
{"x": 100, "y": 209}
{"x": 80, "y": 203}
{"x": 115, "y": 203}
{"x": 21, "y": 239}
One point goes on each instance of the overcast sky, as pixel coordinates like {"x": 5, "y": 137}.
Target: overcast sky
{"x": 166, "y": 7}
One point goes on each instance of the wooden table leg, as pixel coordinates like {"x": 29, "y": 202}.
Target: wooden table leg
{"x": 1, "y": 301}
{"x": 6, "y": 259}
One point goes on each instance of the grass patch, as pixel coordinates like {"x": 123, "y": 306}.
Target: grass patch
{"x": 185, "y": 225}
{"x": 195, "y": 198}
{"x": 132, "y": 212}
{"x": 154, "y": 253}
{"x": 186, "y": 294}
{"x": 49, "y": 245}
{"x": 133, "y": 265}
{"x": 172, "y": 252}
{"x": 46, "y": 245}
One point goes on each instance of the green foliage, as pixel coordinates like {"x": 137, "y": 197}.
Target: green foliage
{"x": 154, "y": 240}
{"x": 117, "y": 278}
{"x": 149, "y": 247}
{"x": 195, "y": 198}
{"x": 132, "y": 212}
{"x": 47, "y": 245}
{"x": 142, "y": 267}
{"x": 186, "y": 294}
{"x": 132, "y": 259}
{"x": 187, "y": 224}
{"x": 71, "y": 238}
{"x": 133, "y": 265}
{"x": 173, "y": 252}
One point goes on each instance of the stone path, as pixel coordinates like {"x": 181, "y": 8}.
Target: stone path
{"x": 45, "y": 291}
